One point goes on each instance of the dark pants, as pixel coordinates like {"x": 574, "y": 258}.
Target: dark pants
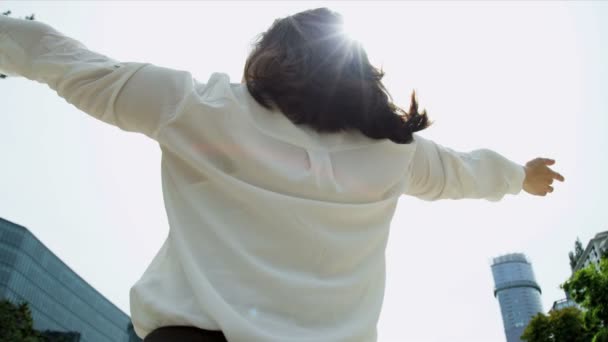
{"x": 184, "y": 334}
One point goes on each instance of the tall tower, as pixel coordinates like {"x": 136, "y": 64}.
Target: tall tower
{"x": 517, "y": 292}
{"x": 61, "y": 303}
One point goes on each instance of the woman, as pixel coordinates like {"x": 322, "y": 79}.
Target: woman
{"x": 279, "y": 190}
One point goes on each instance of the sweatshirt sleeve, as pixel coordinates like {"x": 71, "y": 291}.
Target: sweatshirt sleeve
{"x": 136, "y": 97}
{"x": 437, "y": 172}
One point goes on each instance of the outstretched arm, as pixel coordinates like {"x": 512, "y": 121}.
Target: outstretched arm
{"x": 137, "y": 97}
{"x": 437, "y": 172}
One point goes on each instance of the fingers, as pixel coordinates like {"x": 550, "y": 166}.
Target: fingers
{"x": 554, "y": 175}
{"x": 543, "y": 193}
{"x": 558, "y": 176}
{"x": 540, "y": 176}
{"x": 548, "y": 161}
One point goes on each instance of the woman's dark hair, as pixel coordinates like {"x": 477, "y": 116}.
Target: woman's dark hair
{"x": 306, "y": 66}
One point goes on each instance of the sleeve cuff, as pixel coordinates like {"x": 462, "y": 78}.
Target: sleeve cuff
{"x": 516, "y": 181}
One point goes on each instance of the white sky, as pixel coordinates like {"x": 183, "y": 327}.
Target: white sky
{"x": 524, "y": 79}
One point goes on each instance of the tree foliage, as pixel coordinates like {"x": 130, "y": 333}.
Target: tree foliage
{"x": 601, "y": 336}
{"x": 60, "y": 336}
{"x": 589, "y": 288}
{"x": 16, "y": 323}
{"x": 560, "y": 325}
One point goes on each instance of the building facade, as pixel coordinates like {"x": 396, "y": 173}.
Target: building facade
{"x": 517, "y": 292}
{"x": 59, "y": 299}
{"x": 564, "y": 303}
{"x": 593, "y": 252}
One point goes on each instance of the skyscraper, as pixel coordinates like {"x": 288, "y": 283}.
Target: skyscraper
{"x": 517, "y": 292}
{"x": 59, "y": 299}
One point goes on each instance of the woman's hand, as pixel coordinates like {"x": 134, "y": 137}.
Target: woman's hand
{"x": 539, "y": 176}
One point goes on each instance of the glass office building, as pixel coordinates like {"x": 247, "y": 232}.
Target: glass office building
{"x": 517, "y": 292}
{"x": 58, "y": 298}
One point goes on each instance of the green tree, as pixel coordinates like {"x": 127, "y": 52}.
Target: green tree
{"x": 16, "y": 323}
{"x": 601, "y": 336}
{"x": 589, "y": 288}
{"x": 60, "y": 336}
{"x": 538, "y": 330}
{"x": 560, "y": 325}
